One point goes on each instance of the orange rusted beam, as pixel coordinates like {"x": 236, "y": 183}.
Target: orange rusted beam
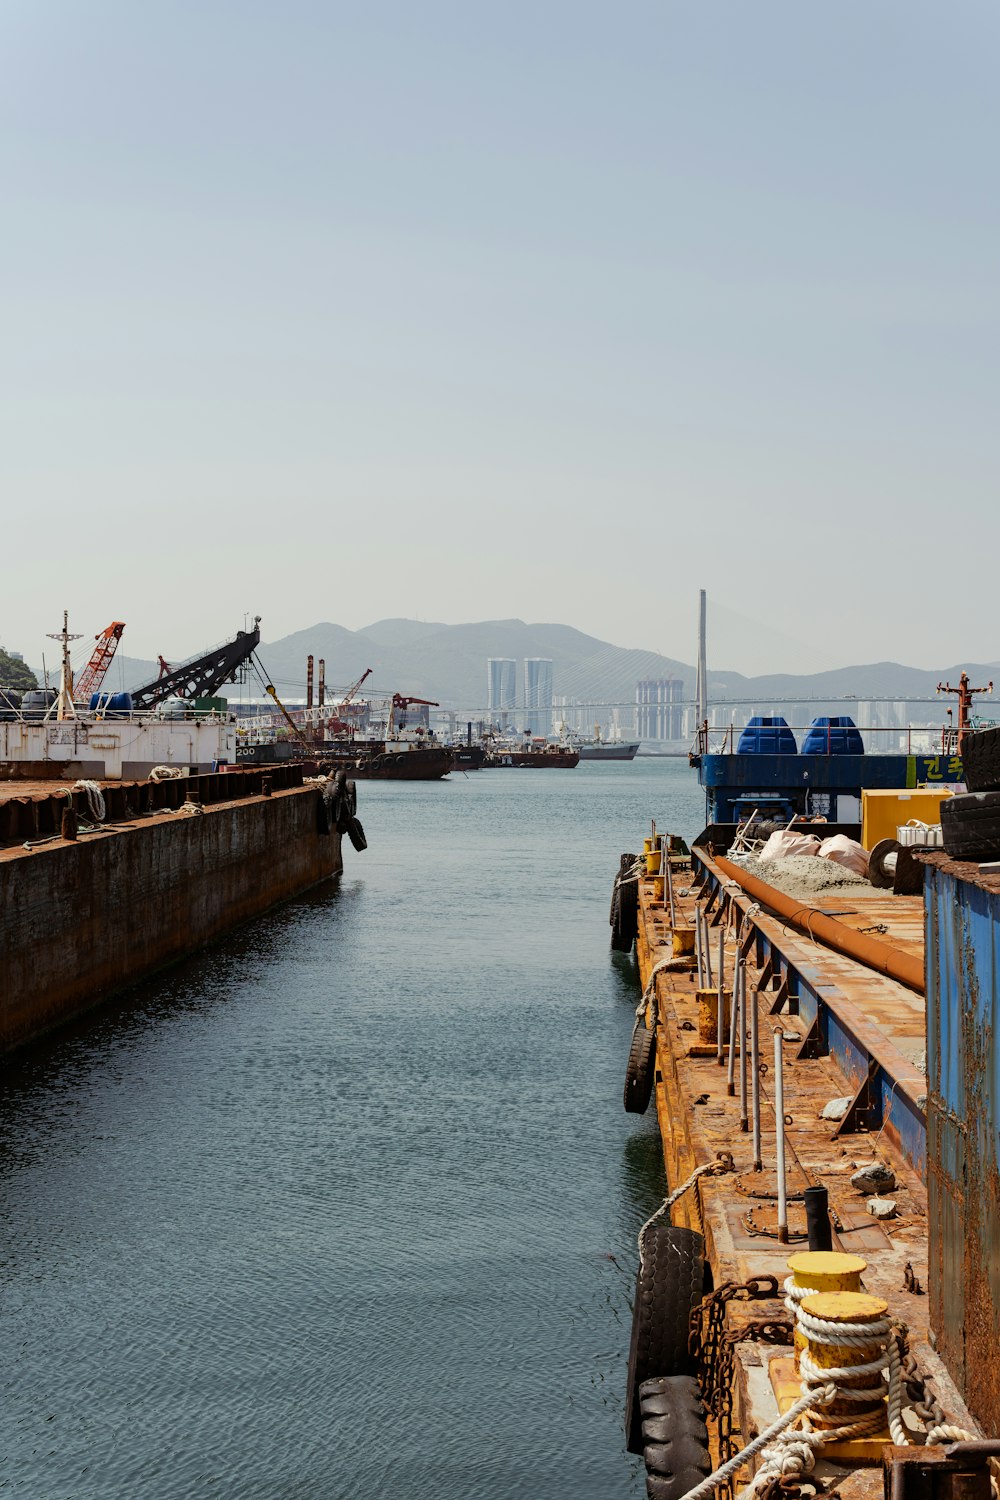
{"x": 815, "y": 923}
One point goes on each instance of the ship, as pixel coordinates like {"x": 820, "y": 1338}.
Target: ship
{"x": 530, "y": 754}
{"x": 822, "y": 1068}
{"x": 342, "y": 735}
{"x": 599, "y": 746}
{"x": 598, "y": 749}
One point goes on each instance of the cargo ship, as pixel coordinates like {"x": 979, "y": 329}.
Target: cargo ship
{"x": 817, "y": 1303}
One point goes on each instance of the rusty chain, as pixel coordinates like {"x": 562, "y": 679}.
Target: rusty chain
{"x": 713, "y": 1349}
{"x": 918, "y": 1393}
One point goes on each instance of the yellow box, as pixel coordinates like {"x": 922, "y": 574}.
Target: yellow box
{"x": 883, "y": 811}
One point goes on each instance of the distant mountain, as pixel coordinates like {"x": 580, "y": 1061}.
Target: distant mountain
{"x": 448, "y": 663}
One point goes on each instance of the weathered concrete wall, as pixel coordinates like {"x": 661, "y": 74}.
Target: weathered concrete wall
{"x": 80, "y": 920}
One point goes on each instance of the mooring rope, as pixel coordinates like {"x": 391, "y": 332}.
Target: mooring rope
{"x": 723, "y": 1163}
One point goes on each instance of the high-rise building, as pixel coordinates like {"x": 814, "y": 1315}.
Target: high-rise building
{"x": 501, "y": 686}
{"x": 659, "y": 713}
{"x": 538, "y": 694}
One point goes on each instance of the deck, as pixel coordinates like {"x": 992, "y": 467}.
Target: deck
{"x": 847, "y": 1031}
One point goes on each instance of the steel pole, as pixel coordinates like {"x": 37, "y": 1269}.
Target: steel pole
{"x": 779, "y": 1135}
{"x": 744, "y": 1117}
{"x": 755, "y": 1080}
{"x": 721, "y": 1013}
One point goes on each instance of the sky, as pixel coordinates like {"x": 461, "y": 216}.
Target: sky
{"x": 459, "y": 311}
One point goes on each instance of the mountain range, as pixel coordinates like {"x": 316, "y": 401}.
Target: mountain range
{"x": 448, "y": 663}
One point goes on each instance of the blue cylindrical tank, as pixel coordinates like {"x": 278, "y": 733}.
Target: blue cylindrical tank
{"x": 833, "y": 736}
{"x": 767, "y": 736}
{"x": 111, "y": 705}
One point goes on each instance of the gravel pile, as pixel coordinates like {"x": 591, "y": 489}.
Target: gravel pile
{"x": 806, "y": 875}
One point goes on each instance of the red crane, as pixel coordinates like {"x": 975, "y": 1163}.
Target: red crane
{"x": 398, "y": 701}
{"x": 337, "y": 725}
{"x": 93, "y": 674}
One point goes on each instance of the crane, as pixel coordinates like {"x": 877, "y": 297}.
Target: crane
{"x": 201, "y": 677}
{"x": 337, "y": 725}
{"x": 93, "y": 674}
{"x": 398, "y": 701}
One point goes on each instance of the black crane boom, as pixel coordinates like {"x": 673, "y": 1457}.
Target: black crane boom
{"x": 201, "y": 677}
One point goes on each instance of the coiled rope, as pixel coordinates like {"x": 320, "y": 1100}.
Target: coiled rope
{"x": 95, "y": 798}
{"x": 789, "y": 1455}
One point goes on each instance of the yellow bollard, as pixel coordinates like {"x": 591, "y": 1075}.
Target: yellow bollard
{"x": 682, "y": 941}
{"x": 708, "y": 1014}
{"x": 651, "y": 849}
{"x": 824, "y": 1271}
{"x": 846, "y": 1307}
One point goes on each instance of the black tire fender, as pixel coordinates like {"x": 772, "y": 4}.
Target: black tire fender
{"x": 668, "y": 1287}
{"x": 356, "y": 834}
{"x": 640, "y": 1070}
{"x": 625, "y": 906}
{"x": 881, "y": 877}
{"x": 981, "y": 760}
{"x": 970, "y": 825}
{"x": 675, "y": 1436}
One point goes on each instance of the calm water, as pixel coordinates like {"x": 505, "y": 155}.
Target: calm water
{"x": 345, "y": 1206}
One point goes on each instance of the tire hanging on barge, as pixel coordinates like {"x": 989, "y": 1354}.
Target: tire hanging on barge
{"x": 640, "y": 1070}
{"x": 668, "y": 1287}
{"x": 625, "y": 906}
{"x": 674, "y": 1436}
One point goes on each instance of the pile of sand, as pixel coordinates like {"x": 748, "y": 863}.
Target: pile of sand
{"x": 805, "y": 875}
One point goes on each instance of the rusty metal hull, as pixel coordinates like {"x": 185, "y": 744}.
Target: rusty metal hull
{"x": 846, "y": 1032}
{"x": 80, "y": 920}
{"x": 963, "y": 1120}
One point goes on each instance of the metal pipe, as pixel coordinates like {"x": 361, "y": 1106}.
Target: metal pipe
{"x": 733, "y": 1007}
{"x": 817, "y": 1201}
{"x": 744, "y": 1118}
{"x": 706, "y": 946}
{"x": 779, "y": 1135}
{"x": 721, "y": 1012}
{"x": 309, "y": 682}
{"x": 755, "y": 1079}
{"x": 322, "y": 681}
{"x": 815, "y": 923}
{"x": 697, "y": 946}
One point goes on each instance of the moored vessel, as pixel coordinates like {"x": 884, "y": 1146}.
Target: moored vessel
{"x": 819, "y": 1066}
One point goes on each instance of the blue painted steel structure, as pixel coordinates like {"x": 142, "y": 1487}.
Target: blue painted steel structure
{"x": 810, "y": 783}
{"x": 962, "y": 915}
{"x": 888, "y": 1092}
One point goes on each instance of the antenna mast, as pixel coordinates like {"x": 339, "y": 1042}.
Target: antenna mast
{"x": 701, "y": 685}
{"x": 64, "y": 703}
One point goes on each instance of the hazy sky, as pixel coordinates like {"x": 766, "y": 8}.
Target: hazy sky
{"x": 465, "y": 310}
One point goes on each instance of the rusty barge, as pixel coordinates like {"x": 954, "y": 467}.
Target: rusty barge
{"x": 817, "y": 1304}
{"x": 101, "y": 884}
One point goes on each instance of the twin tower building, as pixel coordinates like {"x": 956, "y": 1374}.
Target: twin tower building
{"x": 535, "y": 707}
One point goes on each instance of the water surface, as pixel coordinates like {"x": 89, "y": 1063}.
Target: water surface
{"x": 345, "y": 1206}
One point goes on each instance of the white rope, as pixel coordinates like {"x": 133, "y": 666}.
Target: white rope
{"x": 635, "y": 872}
{"x": 165, "y": 773}
{"x": 776, "y": 1431}
{"x": 668, "y": 1203}
{"x": 95, "y": 798}
{"x": 650, "y": 990}
{"x": 186, "y": 810}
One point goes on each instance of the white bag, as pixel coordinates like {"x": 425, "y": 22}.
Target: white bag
{"x": 846, "y": 852}
{"x": 785, "y": 845}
